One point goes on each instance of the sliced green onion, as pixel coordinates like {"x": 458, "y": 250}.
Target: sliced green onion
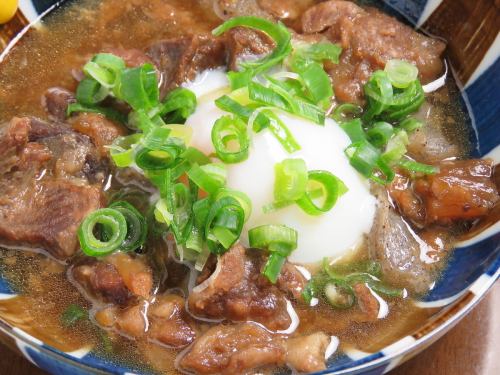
{"x": 406, "y": 102}
{"x": 156, "y": 138}
{"x": 416, "y": 167}
{"x": 277, "y": 31}
{"x": 123, "y": 148}
{"x": 241, "y": 197}
{"x": 230, "y": 139}
{"x": 363, "y": 156}
{"x": 138, "y": 87}
{"x": 100, "y": 74}
{"x": 354, "y": 129}
{"x": 179, "y": 204}
{"x": 273, "y": 237}
{"x": 90, "y": 92}
{"x": 340, "y": 295}
{"x": 224, "y": 224}
{"x": 179, "y": 104}
{"x": 268, "y": 96}
{"x": 385, "y": 173}
{"x": 140, "y": 120}
{"x": 230, "y": 105}
{"x": 333, "y": 188}
{"x": 319, "y": 52}
{"x": 110, "y": 62}
{"x": 161, "y": 212}
{"x": 401, "y": 73}
{"x": 115, "y": 225}
{"x": 137, "y": 229}
{"x": 153, "y": 160}
{"x": 279, "y": 240}
{"x": 183, "y": 132}
{"x": 208, "y": 177}
{"x": 346, "y": 112}
{"x": 317, "y": 83}
{"x": 273, "y": 266}
{"x": 281, "y": 132}
{"x": 410, "y": 124}
{"x": 396, "y": 147}
{"x": 379, "y": 88}
{"x": 380, "y": 133}
{"x": 290, "y": 180}
{"x": 194, "y": 155}
{"x": 275, "y": 96}
{"x": 73, "y": 314}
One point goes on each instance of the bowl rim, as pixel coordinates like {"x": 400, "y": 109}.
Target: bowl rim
{"x": 357, "y": 366}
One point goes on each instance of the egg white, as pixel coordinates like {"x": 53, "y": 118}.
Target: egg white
{"x": 331, "y": 234}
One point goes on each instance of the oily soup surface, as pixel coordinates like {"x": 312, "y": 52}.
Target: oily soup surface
{"x": 47, "y": 58}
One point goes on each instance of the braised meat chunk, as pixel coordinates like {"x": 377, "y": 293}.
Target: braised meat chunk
{"x": 118, "y": 278}
{"x": 461, "y": 190}
{"x": 178, "y": 60}
{"x": 246, "y": 43}
{"x": 55, "y": 101}
{"x": 164, "y": 321}
{"x": 369, "y": 39}
{"x": 238, "y": 349}
{"x": 45, "y": 189}
{"x": 237, "y": 291}
{"x": 234, "y": 349}
{"x": 98, "y": 128}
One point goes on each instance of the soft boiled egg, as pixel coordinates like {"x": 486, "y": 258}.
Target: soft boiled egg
{"x": 331, "y": 234}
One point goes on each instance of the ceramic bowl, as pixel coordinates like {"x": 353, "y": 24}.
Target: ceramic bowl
{"x": 471, "y": 29}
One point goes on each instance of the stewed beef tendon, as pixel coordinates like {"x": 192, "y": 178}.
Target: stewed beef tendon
{"x": 151, "y": 307}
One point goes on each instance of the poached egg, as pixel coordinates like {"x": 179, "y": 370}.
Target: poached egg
{"x": 331, "y": 234}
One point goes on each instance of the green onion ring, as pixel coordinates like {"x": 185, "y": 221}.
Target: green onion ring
{"x": 226, "y": 130}
{"x": 115, "y": 226}
{"x": 333, "y": 189}
{"x": 136, "y": 225}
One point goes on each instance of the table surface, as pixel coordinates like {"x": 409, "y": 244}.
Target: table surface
{"x": 471, "y": 348}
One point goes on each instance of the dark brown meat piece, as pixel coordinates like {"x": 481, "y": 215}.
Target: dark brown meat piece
{"x": 407, "y": 260}
{"x": 45, "y": 193}
{"x": 55, "y": 101}
{"x": 117, "y": 279}
{"x": 461, "y": 190}
{"x": 164, "y": 322}
{"x": 239, "y": 292}
{"x": 170, "y": 324}
{"x": 327, "y": 14}
{"x": 369, "y": 39}
{"x": 307, "y": 353}
{"x": 367, "y": 302}
{"x": 291, "y": 281}
{"x": 234, "y": 350}
{"x": 409, "y": 204}
{"x": 178, "y": 60}
{"x": 243, "y": 43}
{"x": 101, "y": 130}
{"x": 244, "y": 348}
{"x": 101, "y": 280}
{"x": 226, "y": 9}
{"x": 285, "y": 9}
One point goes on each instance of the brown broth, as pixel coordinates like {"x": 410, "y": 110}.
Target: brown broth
{"x": 46, "y": 58}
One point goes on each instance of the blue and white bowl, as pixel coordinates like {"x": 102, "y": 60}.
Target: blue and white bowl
{"x": 474, "y": 50}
